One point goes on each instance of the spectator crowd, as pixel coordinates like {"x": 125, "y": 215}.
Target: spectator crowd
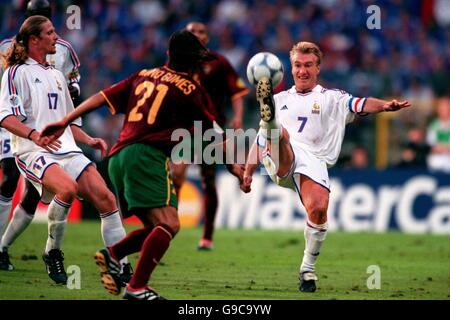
{"x": 409, "y": 56}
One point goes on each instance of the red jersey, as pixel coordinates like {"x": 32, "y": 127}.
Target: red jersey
{"x": 155, "y": 103}
{"x": 222, "y": 83}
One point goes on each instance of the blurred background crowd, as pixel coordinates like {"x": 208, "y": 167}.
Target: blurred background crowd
{"x": 407, "y": 58}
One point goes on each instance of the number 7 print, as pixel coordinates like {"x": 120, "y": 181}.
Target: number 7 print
{"x": 52, "y": 101}
{"x": 302, "y": 123}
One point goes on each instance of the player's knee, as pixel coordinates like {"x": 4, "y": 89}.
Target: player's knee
{"x": 175, "y": 226}
{"x": 172, "y": 227}
{"x": 172, "y": 222}
{"x": 69, "y": 192}
{"x": 109, "y": 198}
{"x": 105, "y": 200}
{"x": 317, "y": 212}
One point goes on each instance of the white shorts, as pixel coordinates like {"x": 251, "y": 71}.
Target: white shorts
{"x": 33, "y": 165}
{"x": 5, "y": 144}
{"x": 305, "y": 163}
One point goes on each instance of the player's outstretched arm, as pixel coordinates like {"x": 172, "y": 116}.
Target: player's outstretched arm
{"x": 54, "y": 130}
{"x": 374, "y": 105}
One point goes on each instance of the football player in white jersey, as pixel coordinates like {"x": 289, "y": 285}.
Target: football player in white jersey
{"x": 300, "y": 137}
{"x": 66, "y": 61}
{"x": 32, "y": 94}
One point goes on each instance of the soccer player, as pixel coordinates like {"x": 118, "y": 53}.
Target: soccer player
{"x": 438, "y": 138}
{"x": 32, "y": 94}
{"x": 66, "y": 61}
{"x": 300, "y": 136}
{"x": 223, "y": 85}
{"x": 155, "y": 102}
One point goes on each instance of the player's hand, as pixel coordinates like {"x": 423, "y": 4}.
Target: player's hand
{"x": 99, "y": 144}
{"x": 46, "y": 143}
{"x": 395, "y": 105}
{"x": 236, "y": 170}
{"x": 53, "y": 131}
{"x": 246, "y": 183}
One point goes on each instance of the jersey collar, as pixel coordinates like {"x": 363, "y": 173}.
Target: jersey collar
{"x": 317, "y": 88}
{"x": 32, "y": 61}
{"x": 175, "y": 71}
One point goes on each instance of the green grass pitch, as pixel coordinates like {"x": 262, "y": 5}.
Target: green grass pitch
{"x": 246, "y": 264}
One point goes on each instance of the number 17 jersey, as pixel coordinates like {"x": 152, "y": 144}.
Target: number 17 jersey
{"x": 37, "y": 95}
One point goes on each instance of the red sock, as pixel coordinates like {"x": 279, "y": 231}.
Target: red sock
{"x": 210, "y": 212}
{"x": 153, "y": 249}
{"x": 130, "y": 244}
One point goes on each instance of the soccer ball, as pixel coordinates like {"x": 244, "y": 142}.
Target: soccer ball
{"x": 265, "y": 64}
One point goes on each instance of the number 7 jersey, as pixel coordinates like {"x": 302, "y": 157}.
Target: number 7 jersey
{"x": 316, "y": 120}
{"x": 156, "y": 102}
{"x": 37, "y": 95}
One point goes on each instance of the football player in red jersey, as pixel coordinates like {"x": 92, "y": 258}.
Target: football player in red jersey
{"x": 155, "y": 102}
{"x": 223, "y": 85}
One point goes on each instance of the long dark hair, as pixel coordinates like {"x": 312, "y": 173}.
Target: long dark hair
{"x": 18, "y": 52}
{"x": 186, "y": 52}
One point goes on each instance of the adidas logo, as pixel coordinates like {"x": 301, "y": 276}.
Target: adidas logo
{"x": 284, "y": 107}
{"x": 37, "y": 80}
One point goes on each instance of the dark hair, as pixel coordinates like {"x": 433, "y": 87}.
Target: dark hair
{"x": 38, "y": 8}
{"x": 186, "y": 51}
{"x": 18, "y": 52}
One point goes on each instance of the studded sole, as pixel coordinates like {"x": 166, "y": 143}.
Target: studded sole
{"x": 108, "y": 281}
{"x": 264, "y": 98}
{"x": 110, "y": 284}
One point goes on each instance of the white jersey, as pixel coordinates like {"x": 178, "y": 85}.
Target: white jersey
{"x": 37, "y": 95}
{"x": 65, "y": 60}
{"x": 316, "y": 120}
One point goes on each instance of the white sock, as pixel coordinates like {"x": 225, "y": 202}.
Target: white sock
{"x": 314, "y": 237}
{"x": 57, "y": 222}
{"x": 271, "y": 130}
{"x": 19, "y": 222}
{"x": 112, "y": 230}
{"x": 5, "y": 209}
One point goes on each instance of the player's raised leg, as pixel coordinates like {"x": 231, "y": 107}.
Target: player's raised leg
{"x": 278, "y": 157}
